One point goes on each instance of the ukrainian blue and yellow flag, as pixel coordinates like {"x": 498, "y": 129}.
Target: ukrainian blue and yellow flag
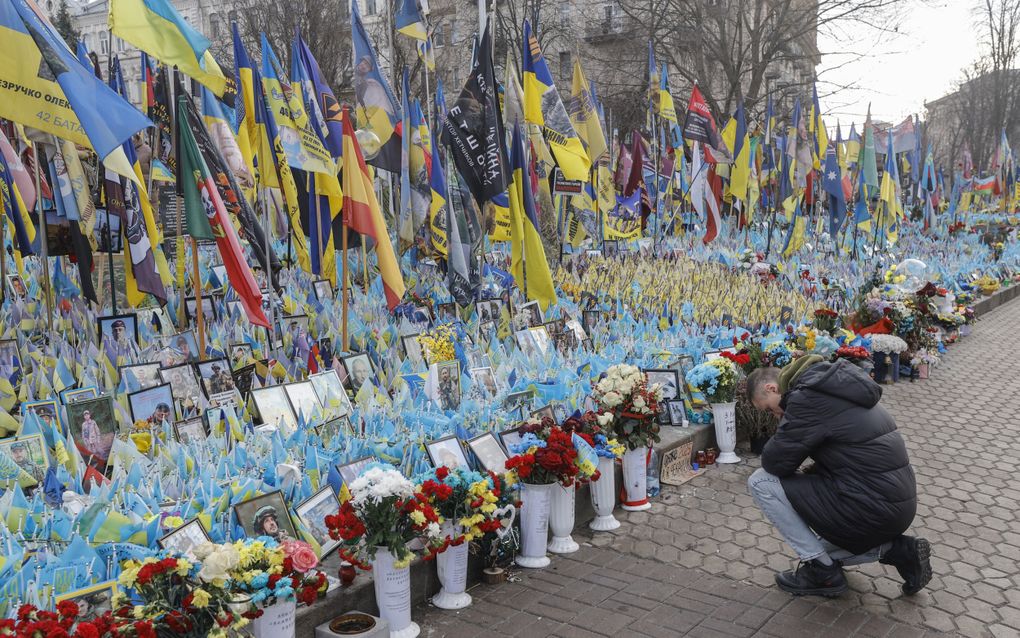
{"x": 737, "y": 140}
{"x": 437, "y": 208}
{"x": 14, "y": 210}
{"x": 795, "y": 238}
{"x": 77, "y": 106}
{"x": 156, "y": 27}
{"x": 377, "y": 109}
{"x": 409, "y": 21}
{"x": 528, "y": 263}
{"x": 248, "y": 137}
{"x": 543, "y": 106}
{"x": 317, "y": 94}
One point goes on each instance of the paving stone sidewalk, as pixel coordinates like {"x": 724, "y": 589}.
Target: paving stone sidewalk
{"x": 701, "y": 561}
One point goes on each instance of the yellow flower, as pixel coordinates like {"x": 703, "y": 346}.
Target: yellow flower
{"x": 183, "y": 567}
{"x": 173, "y": 522}
{"x": 401, "y": 563}
{"x": 417, "y": 517}
{"x": 139, "y": 611}
{"x": 200, "y": 598}
{"x": 127, "y": 577}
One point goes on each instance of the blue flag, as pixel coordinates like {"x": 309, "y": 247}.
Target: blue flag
{"x": 832, "y": 183}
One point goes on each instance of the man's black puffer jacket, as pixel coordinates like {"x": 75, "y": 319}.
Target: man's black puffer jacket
{"x": 862, "y": 492}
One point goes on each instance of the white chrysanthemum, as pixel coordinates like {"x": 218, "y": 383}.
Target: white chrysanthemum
{"x": 378, "y": 483}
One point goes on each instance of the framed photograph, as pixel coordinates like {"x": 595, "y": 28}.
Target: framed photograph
{"x": 350, "y": 471}
{"x": 191, "y": 430}
{"x": 118, "y": 335}
{"x": 183, "y": 382}
{"x": 313, "y": 513}
{"x": 323, "y": 290}
{"x": 330, "y": 392}
{"x": 216, "y": 377}
{"x": 485, "y": 379}
{"x": 303, "y": 398}
{"x": 446, "y": 311}
{"x": 241, "y": 355}
{"x": 93, "y": 428}
{"x": 412, "y": 350}
{"x": 266, "y": 515}
{"x": 590, "y": 318}
{"x": 546, "y": 411}
{"x": 574, "y": 326}
{"x": 293, "y": 326}
{"x": 71, "y": 395}
{"x": 670, "y": 381}
{"x": 489, "y": 453}
{"x": 29, "y": 454}
{"x": 93, "y": 601}
{"x": 183, "y": 347}
{"x": 17, "y": 286}
{"x": 359, "y": 370}
{"x": 715, "y": 354}
{"x": 184, "y": 539}
{"x": 510, "y": 438}
{"x": 448, "y": 373}
{"x": 274, "y": 409}
{"x": 244, "y": 378}
{"x": 541, "y": 338}
{"x": 333, "y": 429}
{"x": 10, "y": 361}
{"x": 489, "y": 310}
{"x": 145, "y": 374}
{"x": 208, "y": 309}
{"x": 153, "y": 405}
{"x": 107, "y": 232}
{"x": 677, "y": 411}
{"x": 447, "y": 452}
{"x": 47, "y": 412}
{"x": 517, "y": 399}
{"x": 610, "y": 247}
{"x": 528, "y": 315}
{"x": 526, "y": 343}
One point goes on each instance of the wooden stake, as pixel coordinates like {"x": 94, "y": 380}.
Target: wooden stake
{"x": 196, "y": 285}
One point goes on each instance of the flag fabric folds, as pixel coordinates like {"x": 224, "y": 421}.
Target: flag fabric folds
{"x": 699, "y": 126}
{"x": 543, "y": 106}
{"x": 377, "y": 109}
{"x": 156, "y": 27}
{"x": 832, "y": 183}
{"x": 206, "y": 213}
{"x": 362, "y": 215}
{"x": 527, "y": 257}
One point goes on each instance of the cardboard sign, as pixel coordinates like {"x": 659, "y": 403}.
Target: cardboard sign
{"x": 676, "y": 465}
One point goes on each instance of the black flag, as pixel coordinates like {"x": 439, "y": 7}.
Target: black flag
{"x": 473, "y": 130}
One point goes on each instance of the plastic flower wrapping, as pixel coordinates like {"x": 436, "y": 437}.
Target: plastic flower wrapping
{"x": 716, "y": 379}
{"x": 386, "y": 511}
{"x": 624, "y": 393}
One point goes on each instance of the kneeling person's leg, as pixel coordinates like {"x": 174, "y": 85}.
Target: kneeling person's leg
{"x": 767, "y": 491}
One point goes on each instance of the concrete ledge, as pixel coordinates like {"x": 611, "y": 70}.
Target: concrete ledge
{"x": 424, "y": 580}
{"x": 1001, "y": 296}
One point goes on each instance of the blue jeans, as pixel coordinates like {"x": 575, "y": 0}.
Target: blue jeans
{"x": 772, "y": 501}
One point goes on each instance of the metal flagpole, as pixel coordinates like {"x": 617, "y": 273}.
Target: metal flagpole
{"x": 263, "y": 197}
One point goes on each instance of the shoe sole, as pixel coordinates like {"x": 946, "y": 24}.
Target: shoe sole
{"x": 827, "y": 592}
{"x": 923, "y": 548}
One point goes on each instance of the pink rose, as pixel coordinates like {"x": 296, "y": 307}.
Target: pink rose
{"x": 301, "y": 555}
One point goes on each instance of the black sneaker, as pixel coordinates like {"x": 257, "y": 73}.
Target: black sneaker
{"x": 910, "y": 556}
{"x": 812, "y": 578}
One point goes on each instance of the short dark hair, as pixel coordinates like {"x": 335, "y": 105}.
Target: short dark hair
{"x": 758, "y": 378}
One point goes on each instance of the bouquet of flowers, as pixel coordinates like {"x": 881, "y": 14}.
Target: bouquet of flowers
{"x": 855, "y": 354}
{"x": 825, "y": 319}
{"x": 778, "y": 355}
{"x": 463, "y": 497}
{"x": 437, "y": 344}
{"x": 716, "y": 379}
{"x": 749, "y": 354}
{"x": 385, "y": 510}
{"x": 923, "y": 356}
{"x": 887, "y": 344}
{"x": 625, "y": 394}
{"x": 262, "y": 571}
{"x": 176, "y": 601}
{"x": 546, "y": 454}
{"x": 31, "y": 622}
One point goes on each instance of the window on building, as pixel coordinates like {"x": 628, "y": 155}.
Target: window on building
{"x": 565, "y": 65}
{"x": 232, "y": 16}
{"x": 564, "y": 16}
{"x": 371, "y": 8}
{"x": 439, "y": 36}
{"x": 104, "y": 46}
{"x": 215, "y": 26}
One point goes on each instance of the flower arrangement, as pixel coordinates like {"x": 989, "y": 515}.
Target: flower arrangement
{"x": 853, "y": 353}
{"x": 778, "y": 355}
{"x": 716, "y": 379}
{"x": 175, "y": 600}
{"x": 465, "y": 498}
{"x": 262, "y": 572}
{"x": 385, "y": 510}
{"x": 437, "y": 344}
{"x": 926, "y": 357}
{"x": 803, "y": 340}
{"x": 629, "y": 404}
{"x": 887, "y": 344}
{"x": 31, "y": 622}
{"x": 825, "y": 319}
{"x": 546, "y": 454}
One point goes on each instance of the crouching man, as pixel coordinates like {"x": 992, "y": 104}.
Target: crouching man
{"x": 854, "y": 505}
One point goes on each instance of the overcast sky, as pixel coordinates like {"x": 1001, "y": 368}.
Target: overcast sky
{"x": 923, "y": 61}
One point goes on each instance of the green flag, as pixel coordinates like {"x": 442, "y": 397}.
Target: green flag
{"x": 193, "y": 171}
{"x": 867, "y": 160}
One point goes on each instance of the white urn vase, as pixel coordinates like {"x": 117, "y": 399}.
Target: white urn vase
{"x": 561, "y": 520}
{"x": 635, "y": 480}
{"x": 724, "y": 415}
{"x": 276, "y": 621}
{"x": 393, "y": 594}
{"x": 451, "y": 565}
{"x": 603, "y": 497}
{"x": 536, "y": 501}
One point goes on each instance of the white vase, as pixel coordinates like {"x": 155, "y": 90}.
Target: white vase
{"x": 535, "y": 503}
{"x": 603, "y": 497}
{"x": 561, "y": 520}
{"x": 725, "y": 417}
{"x": 451, "y": 565}
{"x": 923, "y": 370}
{"x": 276, "y": 621}
{"x": 393, "y": 594}
{"x": 635, "y": 480}
{"x": 965, "y": 330}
